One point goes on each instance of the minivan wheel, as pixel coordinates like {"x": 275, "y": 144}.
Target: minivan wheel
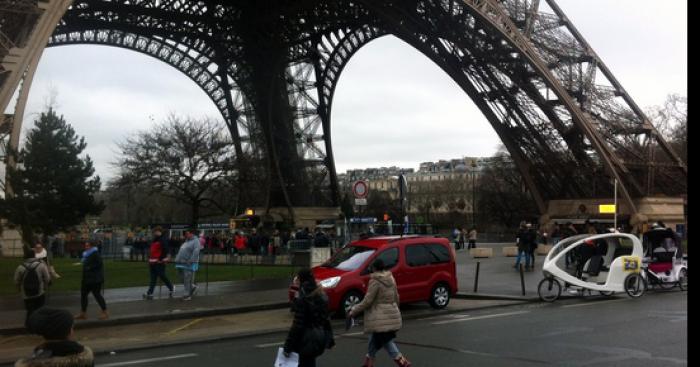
{"x": 349, "y": 300}
{"x": 440, "y": 296}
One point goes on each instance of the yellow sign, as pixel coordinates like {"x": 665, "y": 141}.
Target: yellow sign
{"x": 631, "y": 264}
{"x": 249, "y": 212}
{"x": 607, "y": 209}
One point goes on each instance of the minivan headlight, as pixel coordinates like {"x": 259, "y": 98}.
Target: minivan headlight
{"x": 330, "y": 282}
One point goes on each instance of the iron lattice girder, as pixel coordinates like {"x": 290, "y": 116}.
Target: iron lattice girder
{"x": 480, "y": 49}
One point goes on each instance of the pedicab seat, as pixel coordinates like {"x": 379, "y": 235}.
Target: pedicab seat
{"x": 660, "y": 267}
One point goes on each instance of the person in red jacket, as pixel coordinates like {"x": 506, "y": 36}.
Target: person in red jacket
{"x": 240, "y": 242}
{"x": 157, "y": 258}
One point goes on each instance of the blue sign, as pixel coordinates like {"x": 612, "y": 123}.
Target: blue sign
{"x": 366, "y": 220}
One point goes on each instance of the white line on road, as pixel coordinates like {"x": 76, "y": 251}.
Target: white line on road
{"x": 594, "y": 303}
{"x": 480, "y": 317}
{"x": 141, "y": 361}
{"x": 455, "y": 316}
{"x": 268, "y": 345}
{"x": 352, "y": 334}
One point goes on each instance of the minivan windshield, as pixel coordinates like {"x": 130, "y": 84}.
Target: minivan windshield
{"x": 349, "y": 258}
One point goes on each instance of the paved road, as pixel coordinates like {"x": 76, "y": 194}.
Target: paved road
{"x": 617, "y": 331}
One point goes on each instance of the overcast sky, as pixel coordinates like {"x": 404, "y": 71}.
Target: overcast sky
{"x": 392, "y": 105}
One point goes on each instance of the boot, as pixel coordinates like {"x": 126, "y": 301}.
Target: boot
{"x": 401, "y": 361}
{"x": 104, "y": 315}
{"x": 369, "y": 362}
{"x": 80, "y": 316}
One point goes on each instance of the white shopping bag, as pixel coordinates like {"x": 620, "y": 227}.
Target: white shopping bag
{"x": 282, "y": 361}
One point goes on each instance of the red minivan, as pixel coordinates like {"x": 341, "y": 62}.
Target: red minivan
{"x": 424, "y": 269}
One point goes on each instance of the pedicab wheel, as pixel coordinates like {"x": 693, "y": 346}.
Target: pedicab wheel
{"x": 683, "y": 280}
{"x": 549, "y": 289}
{"x": 635, "y": 285}
{"x": 606, "y": 293}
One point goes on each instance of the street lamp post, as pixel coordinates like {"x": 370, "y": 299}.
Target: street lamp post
{"x": 473, "y": 193}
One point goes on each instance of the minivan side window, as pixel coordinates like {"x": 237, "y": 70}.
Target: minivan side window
{"x": 390, "y": 257}
{"x": 439, "y": 254}
{"x": 417, "y": 255}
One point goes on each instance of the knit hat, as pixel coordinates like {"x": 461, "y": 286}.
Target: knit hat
{"x": 51, "y": 323}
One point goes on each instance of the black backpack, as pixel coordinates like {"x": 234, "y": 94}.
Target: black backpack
{"x": 31, "y": 282}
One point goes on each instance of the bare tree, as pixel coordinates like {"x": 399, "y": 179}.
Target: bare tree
{"x": 192, "y": 161}
{"x": 671, "y": 119}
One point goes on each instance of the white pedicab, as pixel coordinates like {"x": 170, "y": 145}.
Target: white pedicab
{"x": 664, "y": 265}
{"x": 606, "y": 263}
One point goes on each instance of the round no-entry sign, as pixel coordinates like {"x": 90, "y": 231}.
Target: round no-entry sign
{"x": 360, "y": 189}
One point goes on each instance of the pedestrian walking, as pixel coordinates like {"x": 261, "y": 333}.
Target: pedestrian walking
{"x": 567, "y": 231}
{"x": 239, "y": 242}
{"x": 187, "y": 263}
{"x": 472, "y": 238}
{"x": 455, "y": 237}
{"x": 43, "y": 255}
{"x": 311, "y": 333}
{"x": 521, "y": 240}
{"x": 255, "y": 242}
{"x": 92, "y": 281}
{"x": 532, "y": 245}
{"x": 462, "y": 238}
{"x": 382, "y": 315}
{"x": 157, "y": 259}
{"x": 32, "y": 279}
{"x": 58, "y": 348}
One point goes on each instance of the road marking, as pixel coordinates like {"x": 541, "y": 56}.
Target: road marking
{"x": 269, "y": 345}
{"x": 149, "y": 360}
{"x": 594, "y": 303}
{"x": 175, "y": 331}
{"x": 454, "y": 316}
{"x": 352, "y": 334}
{"x": 480, "y": 317}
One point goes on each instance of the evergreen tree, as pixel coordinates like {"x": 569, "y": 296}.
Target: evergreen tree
{"x": 51, "y": 188}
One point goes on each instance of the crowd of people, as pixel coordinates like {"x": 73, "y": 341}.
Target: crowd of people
{"x": 253, "y": 241}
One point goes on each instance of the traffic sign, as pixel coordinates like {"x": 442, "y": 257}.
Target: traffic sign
{"x": 607, "y": 209}
{"x": 360, "y": 189}
{"x": 360, "y": 202}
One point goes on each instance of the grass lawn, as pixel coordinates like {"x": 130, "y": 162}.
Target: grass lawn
{"x": 120, "y": 274}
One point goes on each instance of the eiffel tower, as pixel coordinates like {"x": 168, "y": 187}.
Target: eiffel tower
{"x": 271, "y": 67}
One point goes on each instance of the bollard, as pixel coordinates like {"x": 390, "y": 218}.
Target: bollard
{"x": 476, "y": 278}
{"x": 522, "y": 279}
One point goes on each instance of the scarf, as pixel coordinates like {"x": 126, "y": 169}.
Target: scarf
{"x": 87, "y": 253}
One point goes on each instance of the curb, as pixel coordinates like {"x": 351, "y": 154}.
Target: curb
{"x": 137, "y": 319}
{"x": 497, "y": 297}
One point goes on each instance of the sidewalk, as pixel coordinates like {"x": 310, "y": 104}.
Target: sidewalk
{"x": 126, "y": 305}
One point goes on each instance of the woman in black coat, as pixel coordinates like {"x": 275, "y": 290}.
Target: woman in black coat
{"x": 311, "y": 331}
{"x": 93, "y": 279}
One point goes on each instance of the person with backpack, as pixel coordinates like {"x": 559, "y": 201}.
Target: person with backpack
{"x": 32, "y": 279}
{"x": 92, "y": 281}
{"x": 382, "y": 315}
{"x": 311, "y": 333}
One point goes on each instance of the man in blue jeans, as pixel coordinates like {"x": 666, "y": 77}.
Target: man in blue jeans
{"x": 157, "y": 258}
{"x": 187, "y": 262}
{"x": 521, "y": 239}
